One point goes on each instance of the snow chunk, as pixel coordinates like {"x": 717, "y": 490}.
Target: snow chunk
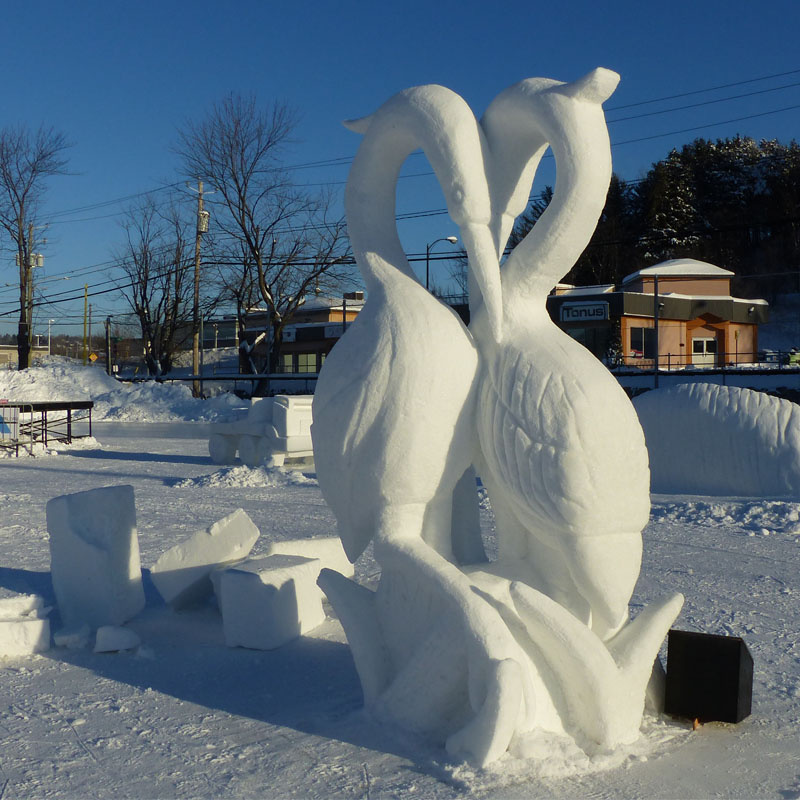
{"x": 72, "y": 638}
{"x": 94, "y": 556}
{"x": 267, "y": 602}
{"x": 327, "y": 550}
{"x": 181, "y": 574}
{"x": 24, "y": 635}
{"x": 111, "y": 639}
{"x": 239, "y": 477}
{"x": 721, "y": 440}
{"x": 13, "y": 606}
{"x": 24, "y": 627}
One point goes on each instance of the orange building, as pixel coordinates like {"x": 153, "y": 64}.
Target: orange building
{"x": 681, "y": 309}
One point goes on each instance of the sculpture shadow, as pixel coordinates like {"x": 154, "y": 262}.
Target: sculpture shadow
{"x": 309, "y": 685}
{"x": 26, "y": 581}
{"x": 118, "y": 455}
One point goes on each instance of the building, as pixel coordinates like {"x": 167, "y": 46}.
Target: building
{"x": 683, "y": 309}
{"x": 315, "y": 328}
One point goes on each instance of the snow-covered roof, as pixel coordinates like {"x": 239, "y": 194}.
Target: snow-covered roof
{"x": 680, "y": 268}
{"x": 572, "y": 291}
{"x": 713, "y": 297}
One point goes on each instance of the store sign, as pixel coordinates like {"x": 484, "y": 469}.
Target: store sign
{"x": 584, "y": 312}
{"x": 333, "y": 331}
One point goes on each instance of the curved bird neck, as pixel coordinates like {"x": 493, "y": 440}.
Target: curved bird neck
{"x": 370, "y": 204}
{"x": 558, "y": 238}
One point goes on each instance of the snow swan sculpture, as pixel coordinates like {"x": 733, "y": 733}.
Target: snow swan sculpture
{"x": 476, "y": 655}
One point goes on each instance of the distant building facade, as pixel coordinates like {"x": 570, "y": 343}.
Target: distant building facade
{"x": 315, "y": 328}
{"x": 680, "y": 310}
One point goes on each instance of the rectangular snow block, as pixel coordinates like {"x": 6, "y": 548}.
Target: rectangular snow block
{"x": 267, "y": 602}
{"x": 327, "y": 550}
{"x": 709, "y": 678}
{"x": 23, "y": 636}
{"x": 94, "y": 556}
{"x": 13, "y": 606}
{"x": 182, "y": 573}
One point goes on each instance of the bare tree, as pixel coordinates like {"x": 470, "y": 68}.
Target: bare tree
{"x": 27, "y": 159}
{"x": 157, "y": 261}
{"x": 270, "y": 231}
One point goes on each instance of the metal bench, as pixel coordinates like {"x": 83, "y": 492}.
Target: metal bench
{"x": 40, "y": 422}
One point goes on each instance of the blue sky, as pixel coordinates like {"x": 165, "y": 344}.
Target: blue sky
{"x": 120, "y": 78}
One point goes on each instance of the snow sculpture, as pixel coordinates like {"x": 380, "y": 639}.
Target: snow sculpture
{"x": 721, "y": 440}
{"x": 470, "y": 652}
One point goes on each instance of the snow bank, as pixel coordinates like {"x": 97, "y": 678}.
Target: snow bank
{"x": 721, "y": 440}
{"x": 60, "y": 379}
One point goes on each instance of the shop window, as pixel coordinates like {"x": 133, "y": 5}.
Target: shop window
{"x": 643, "y": 342}
{"x": 306, "y": 362}
{"x": 595, "y": 339}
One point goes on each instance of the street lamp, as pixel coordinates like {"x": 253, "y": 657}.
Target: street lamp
{"x": 49, "y": 323}
{"x": 451, "y": 239}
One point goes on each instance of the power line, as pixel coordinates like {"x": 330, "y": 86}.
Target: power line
{"x": 704, "y": 103}
{"x": 703, "y": 91}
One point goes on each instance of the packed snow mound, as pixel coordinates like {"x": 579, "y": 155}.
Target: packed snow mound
{"x": 721, "y": 440}
{"x": 148, "y": 401}
{"x": 248, "y": 477}
{"x": 757, "y": 517}
{"x": 59, "y": 379}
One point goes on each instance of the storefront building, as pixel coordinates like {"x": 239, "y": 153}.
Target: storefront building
{"x": 681, "y": 309}
{"x": 315, "y": 328}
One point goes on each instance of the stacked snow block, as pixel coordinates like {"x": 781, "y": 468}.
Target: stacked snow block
{"x": 182, "y": 574}
{"x": 94, "y": 556}
{"x": 327, "y": 550}
{"x": 267, "y": 602}
{"x": 24, "y": 627}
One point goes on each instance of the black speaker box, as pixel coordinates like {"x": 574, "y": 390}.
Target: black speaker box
{"x": 709, "y": 678}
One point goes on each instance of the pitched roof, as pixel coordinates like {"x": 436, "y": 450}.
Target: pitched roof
{"x": 680, "y": 268}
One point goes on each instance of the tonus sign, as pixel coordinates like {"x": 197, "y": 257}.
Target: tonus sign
{"x": 584, "y": 312}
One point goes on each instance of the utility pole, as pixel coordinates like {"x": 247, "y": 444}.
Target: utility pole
{"x": 655, "y": 331}
{"x": 108, "y": 346}
{"x": 202, "y": 227}
{"x": 85, "y": 315}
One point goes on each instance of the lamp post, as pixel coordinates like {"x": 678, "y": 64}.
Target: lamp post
{"x": 451, "y": 239}
{"x": 49, "y": 323}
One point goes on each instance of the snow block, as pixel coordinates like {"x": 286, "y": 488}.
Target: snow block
{"x": 13, "y": 606}
{"x": 112, "y": 639}
{"x": 327, "y": 550}
{"x": 267, "y": 602}
{"x": 94, "y": 556}
{"x": 72, "y": 638}
{"x": 24, "y": 635}
{"x": 182, "y": 573}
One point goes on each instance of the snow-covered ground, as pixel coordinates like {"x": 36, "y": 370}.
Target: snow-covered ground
{"x": 185, "y": 716}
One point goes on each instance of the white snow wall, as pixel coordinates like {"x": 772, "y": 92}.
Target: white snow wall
{"x": 721, "y": 440}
